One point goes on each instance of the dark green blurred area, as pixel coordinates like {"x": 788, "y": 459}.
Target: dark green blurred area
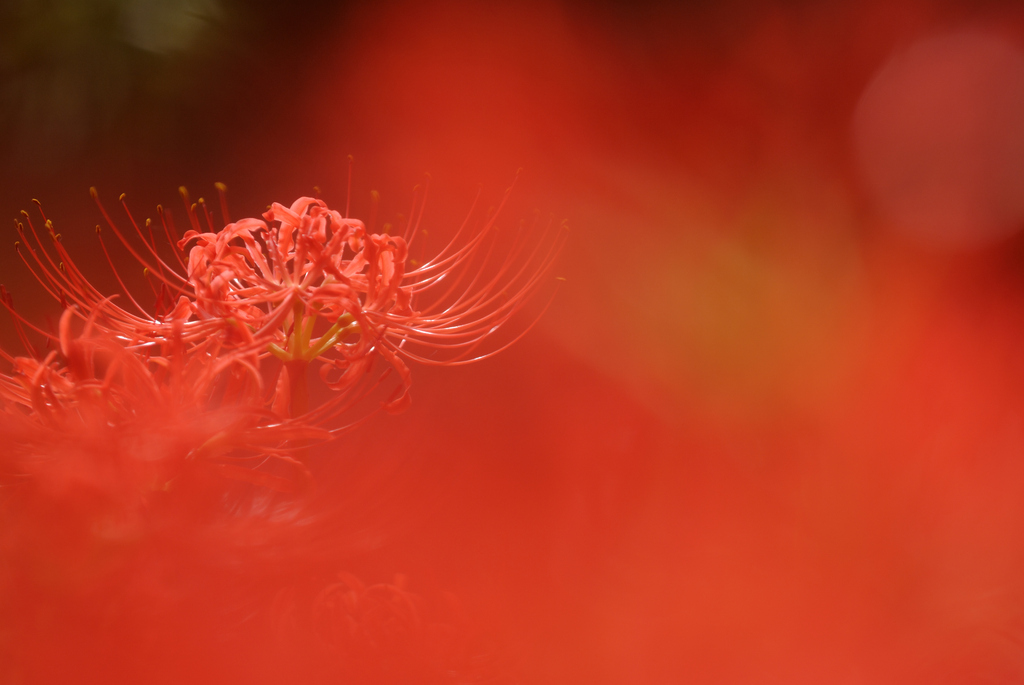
{"x": 118, "y": 86}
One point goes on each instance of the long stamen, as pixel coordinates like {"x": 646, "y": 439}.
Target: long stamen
{"x": 117, "y": 275}
{"x": 222, "y": 193}
{"x": 138, "y": 257}
{"x": 152, "y": 248}
{"x": 348, "y": 191}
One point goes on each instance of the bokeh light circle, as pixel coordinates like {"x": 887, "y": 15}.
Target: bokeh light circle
{"x": 939, "y": 135}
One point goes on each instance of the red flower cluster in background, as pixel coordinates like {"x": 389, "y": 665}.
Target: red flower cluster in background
{"x": 142, "y": 442}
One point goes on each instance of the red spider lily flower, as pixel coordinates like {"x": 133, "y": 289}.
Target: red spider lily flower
{"x": 310, "y": 284}
{"x": 307, "y": 284}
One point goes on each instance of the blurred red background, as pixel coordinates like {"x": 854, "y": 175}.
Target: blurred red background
{"x": 770, "y": 429}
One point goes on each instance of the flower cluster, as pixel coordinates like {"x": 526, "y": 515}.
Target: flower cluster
{"x": 240, "y": 313}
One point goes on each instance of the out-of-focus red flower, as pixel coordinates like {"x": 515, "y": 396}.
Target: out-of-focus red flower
{"x": 174, "y": 403}
{"x": 382, "y": 633}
